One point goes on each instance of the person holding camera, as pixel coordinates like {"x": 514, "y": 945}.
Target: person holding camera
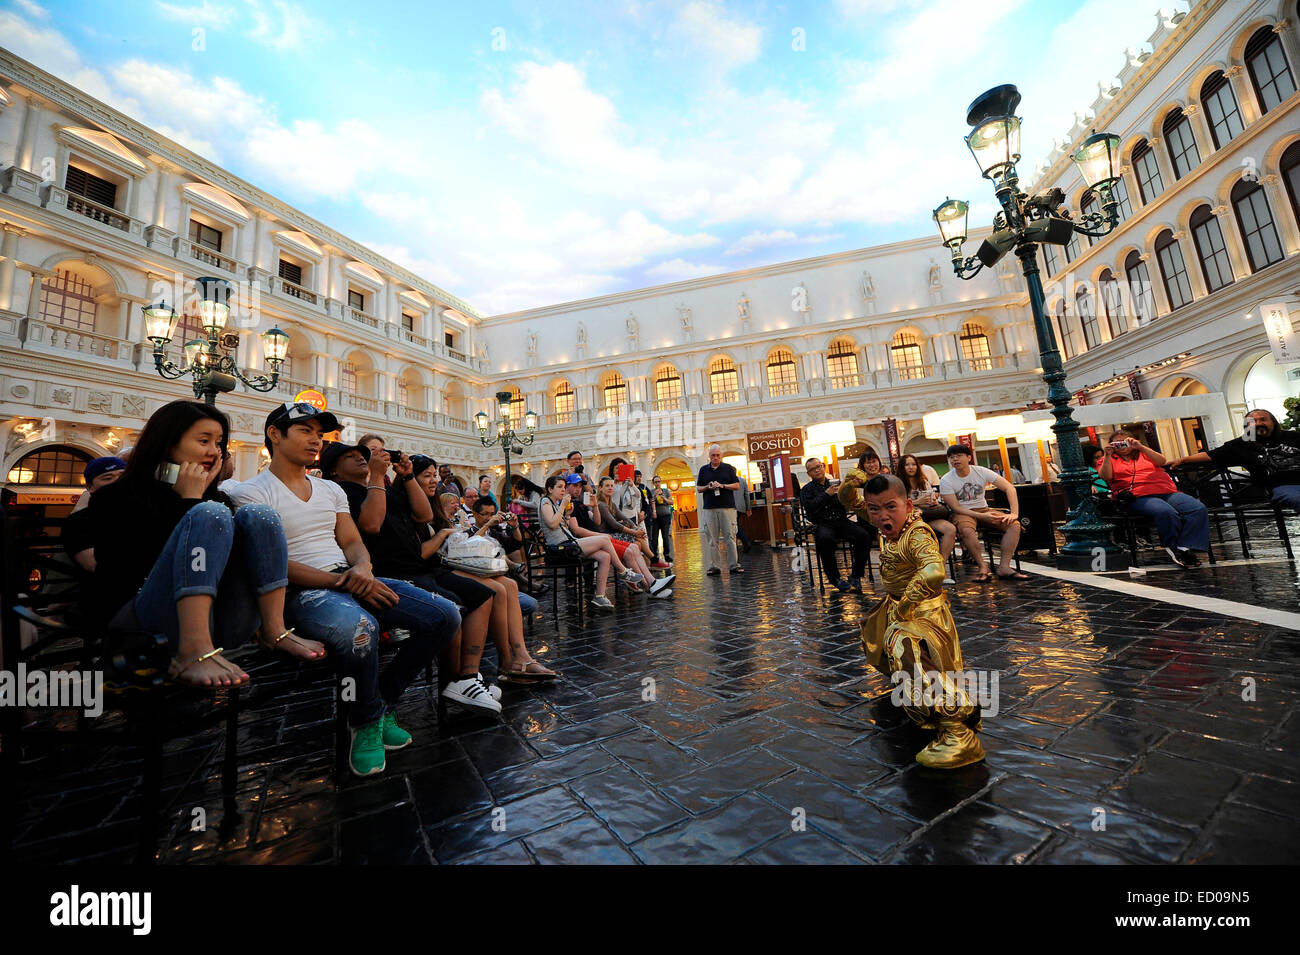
{"x": 1140, "y": 485}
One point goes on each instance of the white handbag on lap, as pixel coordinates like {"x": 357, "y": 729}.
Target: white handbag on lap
{"x": 474, "y": 554}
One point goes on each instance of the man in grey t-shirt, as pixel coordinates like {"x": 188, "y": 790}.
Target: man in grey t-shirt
{"x": 962, "y": 489}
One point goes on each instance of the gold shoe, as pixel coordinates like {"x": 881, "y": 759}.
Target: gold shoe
{"x": 954, "y": 747}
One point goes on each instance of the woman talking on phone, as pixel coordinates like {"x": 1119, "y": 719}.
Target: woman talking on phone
{"x": 1140, "y": 485}
{"x": 173, "y": 558}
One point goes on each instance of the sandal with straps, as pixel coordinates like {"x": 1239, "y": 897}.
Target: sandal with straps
{"x": 532, "y": 672}
{"x": 275, "y": 645}
{"x": 177, "y": 670}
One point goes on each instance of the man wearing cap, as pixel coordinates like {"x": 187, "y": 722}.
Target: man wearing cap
{"x": 334, "y": 596}
{"x": 77, "y": 542}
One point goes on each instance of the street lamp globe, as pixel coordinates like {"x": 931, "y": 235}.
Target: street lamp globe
{"x": 1096, "y": 159}
{"x": 951, "y": 220}
{"x": 158, "y": 321}
{"x": 995, "y": 139}
{"x": 530, "y": 420}
{"x": 275, "y": 346}
{"x": 196, "y": 353}
{"x": 214, "y": 306}
{"x": 481, "y": 419}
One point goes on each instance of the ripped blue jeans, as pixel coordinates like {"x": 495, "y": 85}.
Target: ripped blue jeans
{"x": 350, "y": 633}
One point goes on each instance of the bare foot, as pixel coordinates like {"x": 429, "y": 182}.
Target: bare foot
{"x": 296, "y": 646}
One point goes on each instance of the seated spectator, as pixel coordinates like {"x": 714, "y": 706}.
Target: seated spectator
{"x": 625, "y": 537}
{"x": 189, "y": 568}
{"x": 962, "y": 489}
{"x": 1092, "y": 457}
{"x": 869, "y": 463}
{"x": 501, "y": 526}
{"x": 831, "y": 524}
{"x": 448, "y": 483}
{"x": 561, "y": 533}
{"x": 77, "y": 541}
{"x": 1140, "y": 485}
{"x": 465, "y": 512}
{"x": 930, "y": 506}
{"x": 334, "y": 595}
{"x": 515, "y": 663}
{"x": 390, "y": 525}
{"x": 485, "y": 489}
{"x": 1269, "y": 454}
{"x": 525, "y": 495}
{"x": 575, "y": 466}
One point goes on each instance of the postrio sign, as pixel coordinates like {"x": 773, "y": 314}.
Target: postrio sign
{"x": 766, "y": 444}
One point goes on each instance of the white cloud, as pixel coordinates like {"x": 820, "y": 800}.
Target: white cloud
{"x": 779, "y": 237}
{"x": 206, "y": 14}
{"x": 47, "y": 48}
{"x": 723, "y": 43}
{"x": 33, "y": 9}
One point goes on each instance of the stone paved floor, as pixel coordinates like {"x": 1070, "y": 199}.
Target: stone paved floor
{"x": 1113, "y": 710}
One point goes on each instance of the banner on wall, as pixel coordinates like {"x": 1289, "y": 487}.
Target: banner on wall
{"x": 891, "y": 443}
{"x": 764, "y": 444}
{"x": 1281, "y": 335}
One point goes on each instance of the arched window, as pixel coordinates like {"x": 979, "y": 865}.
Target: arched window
{"x": 905, "y": 353}
{"x": 1123, "y": 206}
{"x": 1112, "y": 300}
{"x": 614, "y": 393}
{"x": 403, "y": 392}
{"x": 842, "y": 364}
{"x": 68, "y": 299}
{"x": 975, "y": 347}
{"x": 1051, "y": 260}
{"x": 782, "y": 378}
{"x": 1181, "y": 144}
{"x": 1270, "y": 73}
{"x": 518, "y": 406}
{"x": 1210, "y": 248}
{"x": 1069, "y": 345}
{"x": 668, "y": 389}
{"x": 1258, "y": 230}
{"x": 348, "y": 377}
{"x": 1139, "y": 285}
{"x": 724, "y": 383}
{"x": 1173, "y": 269}
{"x": 565, "y": 401}
{"x": 1147, "y": 168}
{"x": 1089, "y": 206}
{"x": 1290, "y": 168}
{"x": 1221, "y": 110}
{"x": 59, "y": 466}
{"x": 1087, "y": 312}
{"x": 1072, "y": 248}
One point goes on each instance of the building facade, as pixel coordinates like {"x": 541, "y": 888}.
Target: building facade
{"x": 101, "y": 216}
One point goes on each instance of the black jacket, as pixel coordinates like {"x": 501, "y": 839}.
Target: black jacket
{"x": 820, "y": 507}
{"x": 130, "y": 523}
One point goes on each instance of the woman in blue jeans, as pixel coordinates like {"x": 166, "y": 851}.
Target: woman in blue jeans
{"x": 173, "y": 559}
{"x": 1140, "y": 485}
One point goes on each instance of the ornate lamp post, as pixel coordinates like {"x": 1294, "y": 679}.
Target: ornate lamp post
{"x": 1025, "y": 223}
{"x": 506, "y": 435}
{"x": 209, "y": 362}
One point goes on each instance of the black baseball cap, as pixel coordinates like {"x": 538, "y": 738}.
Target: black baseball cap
{"x": 421, "y": 463}
{"x": 297, "y": 412}
{"x": 329, "y": 458}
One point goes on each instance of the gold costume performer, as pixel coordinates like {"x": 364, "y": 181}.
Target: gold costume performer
{"x": 912, "y": 630}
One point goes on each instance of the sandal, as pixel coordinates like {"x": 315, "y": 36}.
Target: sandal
{"x": 1016, "y": 575}
{"x": 531, "y": 671}
{"x": 298, "y": 642}
{"x": 983, "y": 578}
{"x": 176, "y": 671}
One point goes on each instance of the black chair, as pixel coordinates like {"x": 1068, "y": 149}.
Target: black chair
{"x": 1234, "y": 496}
{"x": 804, "y": 536}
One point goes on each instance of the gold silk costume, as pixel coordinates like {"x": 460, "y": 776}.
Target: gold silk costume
{"x": 912, "y": 632}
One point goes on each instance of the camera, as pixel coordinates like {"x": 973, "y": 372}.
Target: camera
{"x": 578, "y": 469}
{"x": 395, "y": 456}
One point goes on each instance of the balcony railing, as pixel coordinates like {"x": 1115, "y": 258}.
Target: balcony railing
{"x": 209, "y": 257}
{"x": 291, "y": 387}
{"x": 77, "y": 341}
{"x": 415, "y": 414}
{"x": 359, "y": 316}
{"x": 458, "y": 355}
{"x": 845, "y": 381}
{"x": 297, "y": 291}
{"x": 783, "y": 389}
{"x": 666, "y": 404}
{"x": 725, "y": 397}
{"x": 93, "y": 210}
{"x": 912, "y": 373}
{"x": 415, "y": 339}
{"x": 358, "y": 402}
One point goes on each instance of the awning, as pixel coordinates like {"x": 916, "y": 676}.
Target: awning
{"x": 27, "y": 494}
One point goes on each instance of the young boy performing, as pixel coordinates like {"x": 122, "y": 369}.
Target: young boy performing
{"x": 911, "y": 632}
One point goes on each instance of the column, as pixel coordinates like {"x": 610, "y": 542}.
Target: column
{"x": 27, "y": 138}
{"x": 392, "y": 313}
{"x": 1192, "y": 263}
{"x": 160, "y": 198}
{"x": 1242, "y": 90}
{"x": 1157, "y": 277}
{"x": 34, "y": 294}
{"x": 8, "y": 260}
{"x": 1160, "y": 148}
{"x": 1197, "y": 120}
{"x": 1232, "y": 242}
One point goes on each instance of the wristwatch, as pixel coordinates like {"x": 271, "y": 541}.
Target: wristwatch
{"x": 403, "y": 478}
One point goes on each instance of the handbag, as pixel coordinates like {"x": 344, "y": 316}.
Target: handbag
{"x": 474, "y": 554}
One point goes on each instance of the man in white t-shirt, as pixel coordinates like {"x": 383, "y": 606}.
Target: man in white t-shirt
{"x": 962, "y": 489}
{"x": 334, "y": 596}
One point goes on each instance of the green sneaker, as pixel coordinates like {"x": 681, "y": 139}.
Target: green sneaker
{"x": 394, "y": 736}
{"x": 367, "y": 756}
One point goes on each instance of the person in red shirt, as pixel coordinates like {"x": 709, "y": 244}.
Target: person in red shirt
{"x": 1140, "y": 485}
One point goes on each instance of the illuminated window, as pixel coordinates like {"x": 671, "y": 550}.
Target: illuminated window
{"x": 724, "y": 383}
{"x": 566, "y": 402}
{"x": 842, "y": 364}
{"x": 58, "y": 466}
{"x": 781, "y": 376}
{"x": 348, "y": 376}
{"x": 905, "y": 352}
{"x": 668, "y": 389}
{"x": 614, "y": 390}
{"x": 975, "y": 347}
{"x": 69, "y": 300}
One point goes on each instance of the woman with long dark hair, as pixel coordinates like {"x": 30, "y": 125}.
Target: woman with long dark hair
{"x": 173, "y": 558}
{"x": 933, "y": 511}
